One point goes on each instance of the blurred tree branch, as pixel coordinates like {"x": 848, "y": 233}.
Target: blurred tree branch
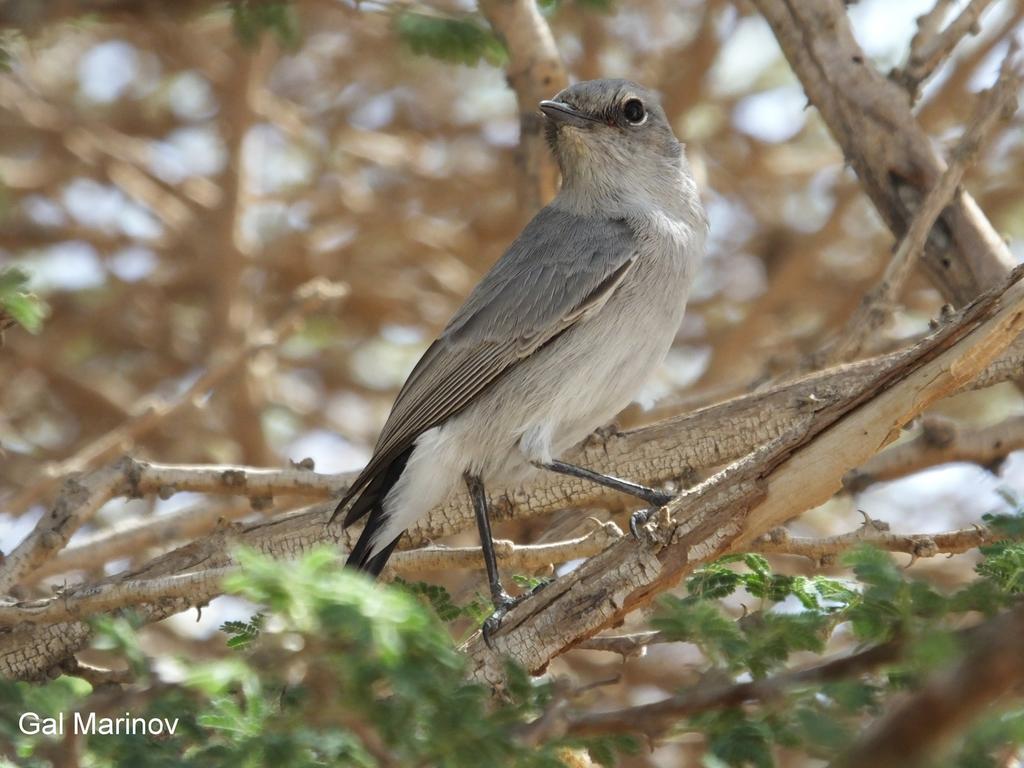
{"x": 875, "y": 310}
{"x": 871, "y": 119}
{"x": 932, "y": 45}
{"x": 33, "y": 15}
{"x": 535, "y": 72}
{"x": 657, "y": 717}
{"x": 150, "y": 411}
{"x": 941, "y": 441}
{"x": 991, "y": 669}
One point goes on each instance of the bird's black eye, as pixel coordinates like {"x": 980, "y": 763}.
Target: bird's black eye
{"x": 634, "y": 111}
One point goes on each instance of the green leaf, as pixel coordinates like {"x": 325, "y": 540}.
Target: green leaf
{"x": 461, "y": 40}
{"x": 714, "y": 581}
{"x": 436, "y": 596}
{"x": 772, "y": 639}
{"x": 1004, "y": 565}
{"x": 703, "y": 624}
{"x": 736, "y": 740}
{"x": 19, "y": 304}
{"x": 243, "y": 633}
{"x": 251, "y": 18}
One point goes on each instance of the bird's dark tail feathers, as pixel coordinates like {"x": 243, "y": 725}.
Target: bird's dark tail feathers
{"x": 370, "y": 504}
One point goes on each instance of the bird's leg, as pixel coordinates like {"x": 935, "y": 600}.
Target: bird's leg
{"x": 650, "y": 495}
{"x": 654, "y": 497}
{"x": 503, "y": 601}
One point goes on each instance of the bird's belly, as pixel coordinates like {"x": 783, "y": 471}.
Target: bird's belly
{"x": 564, "y": 391}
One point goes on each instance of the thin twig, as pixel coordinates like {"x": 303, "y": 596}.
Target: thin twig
{"x": 519, "y": 557}
{"x": 629, "y": 646}
{"x": 822, "y": 551}
{"x": 930, "y": 46}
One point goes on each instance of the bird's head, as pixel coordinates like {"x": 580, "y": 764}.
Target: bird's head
{"x": 610, "y": 133}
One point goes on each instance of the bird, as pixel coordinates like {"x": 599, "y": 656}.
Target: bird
{"x": 556, "y": 338}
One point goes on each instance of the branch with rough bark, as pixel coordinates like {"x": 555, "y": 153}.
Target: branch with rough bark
{"x": 670, "y": 450}
{"x": 781, "y": 479}
{"x": 83, "y": 601}
{"x": 673, "y": 450}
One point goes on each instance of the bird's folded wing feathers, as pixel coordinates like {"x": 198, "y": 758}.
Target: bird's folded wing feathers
{"x": 561, "y": 269}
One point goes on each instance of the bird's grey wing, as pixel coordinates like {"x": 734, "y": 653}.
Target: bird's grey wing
{"x": 560, "y": 269}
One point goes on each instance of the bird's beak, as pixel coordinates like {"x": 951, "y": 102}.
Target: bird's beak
{"x": 561, "y": 113}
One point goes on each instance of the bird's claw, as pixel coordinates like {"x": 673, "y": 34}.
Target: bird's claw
{"x": 640, "y": 518}
{"x": 503, "y": 603}
{"x": 637, "y": 521}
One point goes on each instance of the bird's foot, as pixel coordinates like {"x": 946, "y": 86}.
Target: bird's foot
{"x": 503, "y": 603}
{"x": 639, "y": 519}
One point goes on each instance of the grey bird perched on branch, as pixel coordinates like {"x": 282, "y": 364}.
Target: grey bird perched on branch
{"x": 557, "y": 337}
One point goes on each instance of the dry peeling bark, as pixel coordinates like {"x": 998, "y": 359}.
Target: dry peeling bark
{"x": 778, "y": 481}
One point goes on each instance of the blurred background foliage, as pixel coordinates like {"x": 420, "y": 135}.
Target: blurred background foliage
{"x": 167, "y": 181}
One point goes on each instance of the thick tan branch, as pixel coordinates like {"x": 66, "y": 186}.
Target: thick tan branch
{"x": 795, "y": 472}
{"x": 941, "y": 441}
